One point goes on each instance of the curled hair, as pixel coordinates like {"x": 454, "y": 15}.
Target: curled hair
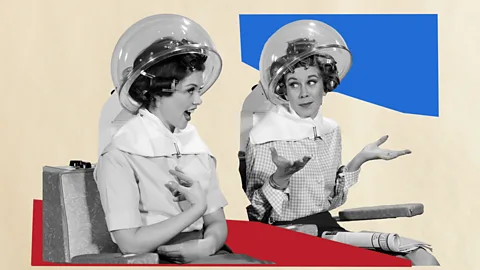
{"x": 166, "y": 73}
{"x": 324, "y": 62}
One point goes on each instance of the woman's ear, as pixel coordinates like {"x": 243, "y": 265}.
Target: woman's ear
{"x": 155, "y": 101}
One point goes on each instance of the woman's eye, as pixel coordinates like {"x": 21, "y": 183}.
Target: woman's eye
{"x": 293, "y": 85}
{"x": 312, "y": 82}
{"x": 191, "y": 90}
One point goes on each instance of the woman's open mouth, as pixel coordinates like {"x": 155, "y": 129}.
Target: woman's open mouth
{"x": 188, "y": 114}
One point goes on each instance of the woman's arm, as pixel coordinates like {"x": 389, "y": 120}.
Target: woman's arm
{"x": 147, "y": 238}
{"x": 120, "y": 201}
{"x": 262, "y": 196}
{"x": 356, "y": 163}
{"x": 370, "y": 152}
{"x": 215, "y": 226}
{"x": 346, "y": 176}
{"x": 215, "y": 231}
{"x": 214, "y": 221}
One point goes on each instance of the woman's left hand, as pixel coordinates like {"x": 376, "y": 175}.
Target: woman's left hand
{"x": 372, "y": 151}
{"x": 188, "y": 251}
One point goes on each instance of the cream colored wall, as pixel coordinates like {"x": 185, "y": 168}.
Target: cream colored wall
{"x": 56, "y": 76}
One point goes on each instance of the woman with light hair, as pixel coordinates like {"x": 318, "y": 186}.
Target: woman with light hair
{"x": 294, "y": 169}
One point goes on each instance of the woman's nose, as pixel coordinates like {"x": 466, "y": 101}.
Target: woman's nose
{"x": 303, "y": 92}
{"x": 197, "y": 99}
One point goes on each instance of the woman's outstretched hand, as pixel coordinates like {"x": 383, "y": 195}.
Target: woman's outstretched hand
{"x": 373, "y": 151}
{"x": 286, "y": 168}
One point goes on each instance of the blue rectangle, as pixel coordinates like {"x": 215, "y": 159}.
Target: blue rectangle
{"x": 395, "y": 56}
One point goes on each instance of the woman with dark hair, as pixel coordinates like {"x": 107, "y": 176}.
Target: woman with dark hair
{"x": 295, "y": 173}
{"x": 157, "y": 178}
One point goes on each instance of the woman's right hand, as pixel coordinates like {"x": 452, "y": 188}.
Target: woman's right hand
{"x": 286, "y": 168}
{"x": 188, "y": 189}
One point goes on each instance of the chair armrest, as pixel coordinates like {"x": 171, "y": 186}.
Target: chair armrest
{"x": 381, "y": 212}
{"x": 118, "y": 258}
{"x": 303, "y": 228}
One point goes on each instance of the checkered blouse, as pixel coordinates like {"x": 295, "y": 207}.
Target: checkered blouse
{"x": 322, "y": 185}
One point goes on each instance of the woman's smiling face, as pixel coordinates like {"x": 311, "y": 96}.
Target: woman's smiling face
{"x": 175, "y": 110}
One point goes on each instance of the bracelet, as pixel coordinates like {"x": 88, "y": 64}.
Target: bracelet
{"x": 274, "y": 185}
{"x": 341, "y": 171}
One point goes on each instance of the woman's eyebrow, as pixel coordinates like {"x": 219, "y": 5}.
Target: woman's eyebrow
{"x": 191, "y": 84}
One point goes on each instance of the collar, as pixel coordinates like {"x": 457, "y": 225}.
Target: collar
{"x": 284, "y": 124}
{"x": 146, "y": 135}
{"x": 290, "y": 113}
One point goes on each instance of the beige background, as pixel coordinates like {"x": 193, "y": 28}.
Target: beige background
{"x": 55, "y": 76}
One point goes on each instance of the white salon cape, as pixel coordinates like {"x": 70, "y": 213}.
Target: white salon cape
{"x": 133, "y": 169}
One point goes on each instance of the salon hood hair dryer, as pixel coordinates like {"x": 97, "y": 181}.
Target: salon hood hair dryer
{"x": 141, "y": 40}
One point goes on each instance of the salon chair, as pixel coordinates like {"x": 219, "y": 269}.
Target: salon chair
{"x": 74, "y": 226}
{"x": 255, "y": 106}
{"x": 75, "y": 230}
